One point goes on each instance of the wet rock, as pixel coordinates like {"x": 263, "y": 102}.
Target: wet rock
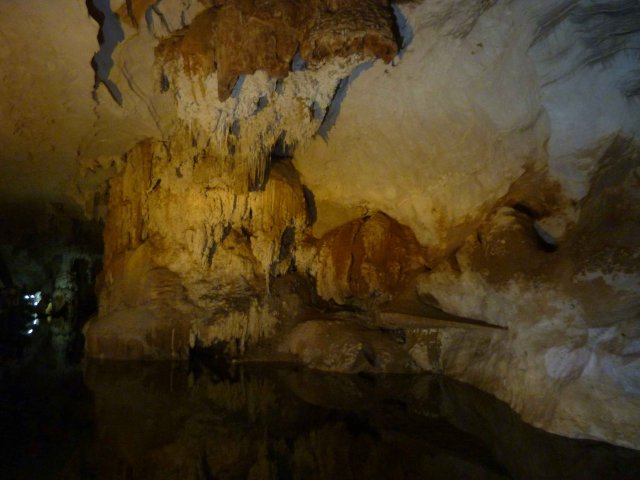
{"x": 339, "y": 346}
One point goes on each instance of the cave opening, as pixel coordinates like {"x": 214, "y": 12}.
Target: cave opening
{"x": 50, "y": 259}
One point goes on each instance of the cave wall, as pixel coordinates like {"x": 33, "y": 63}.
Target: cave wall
{"x": 315, "y": 203}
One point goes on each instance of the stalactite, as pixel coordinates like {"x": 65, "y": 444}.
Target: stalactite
{"x": 240, "y": 328}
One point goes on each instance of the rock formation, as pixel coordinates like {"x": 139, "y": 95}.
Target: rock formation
{"x": 365, "y": 186}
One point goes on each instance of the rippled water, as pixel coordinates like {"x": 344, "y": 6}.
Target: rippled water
{"x": 198, "y": 421}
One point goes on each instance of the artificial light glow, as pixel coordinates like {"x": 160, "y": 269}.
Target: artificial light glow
{"x": 30, "y": 331}
{"x": 33, "y": 298}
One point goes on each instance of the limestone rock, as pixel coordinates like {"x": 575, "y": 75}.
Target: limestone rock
{"x": 236, "y": 38}
{"x": 339, "y": 346}
{"x": 135, "y": 10}
{"x": 191, "y": 248}
{"x": 372, "y": 256}
{"x": 571, "y": 313}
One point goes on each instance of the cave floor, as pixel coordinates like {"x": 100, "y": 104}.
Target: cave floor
{"x": 209, "y": 420}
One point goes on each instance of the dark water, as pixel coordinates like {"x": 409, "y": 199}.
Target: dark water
{"x": 198, "y": 421}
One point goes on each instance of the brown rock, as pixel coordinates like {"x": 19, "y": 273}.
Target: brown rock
{"x": 243, "y": 36}
{"x": 339, "y": 346}
{"x": 347, "y": 27}
{"x": 137, "y": 334}
{"x": 133, "y": 10}
{"x": 367, "y": 257}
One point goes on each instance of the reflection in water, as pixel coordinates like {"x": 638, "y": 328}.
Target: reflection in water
{"x": 177, "y": 421}
{"x": 166, "y": 421}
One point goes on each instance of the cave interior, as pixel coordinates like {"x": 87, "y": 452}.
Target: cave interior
{"x": 405, "y": 226}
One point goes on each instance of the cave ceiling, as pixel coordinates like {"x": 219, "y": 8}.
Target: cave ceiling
{"x": 67, "y": 111}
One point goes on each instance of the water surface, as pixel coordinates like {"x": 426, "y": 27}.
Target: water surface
{"x": 116, "y": 420}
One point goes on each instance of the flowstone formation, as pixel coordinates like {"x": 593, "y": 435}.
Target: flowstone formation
{"x": 201, "y": 222}
{"x": 372, "y": 186}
